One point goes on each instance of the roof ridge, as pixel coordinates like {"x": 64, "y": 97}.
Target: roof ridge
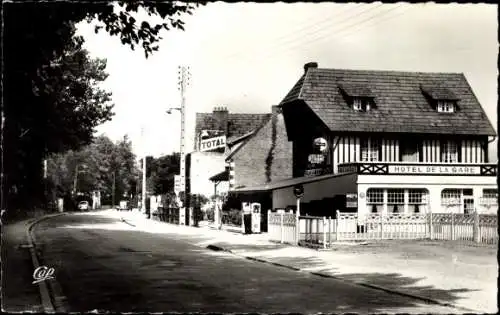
{"x": 299, "y": 96}
{"x": 387, "y": 71}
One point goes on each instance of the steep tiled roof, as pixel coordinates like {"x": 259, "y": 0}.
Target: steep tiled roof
{"x": 238, "y": 124}
{"x": 437, "y": 92}
{"x": 401, "y": 105}
{"x": 356, "y": 90}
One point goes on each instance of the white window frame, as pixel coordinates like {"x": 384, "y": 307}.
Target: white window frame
{"x": 445, "y": 107}
{"x": 375, "y": 197}
{"x": 451, "y": 197}
{"x": 404, "y": 198}
{"x": 449, "y": 151}
{"x": 370, "y": 150}
{"x": 417, "y": 197}
{"x": 360, "y": 104}
{"x": 489, "y": 197}
{"x": 395, "y": 197}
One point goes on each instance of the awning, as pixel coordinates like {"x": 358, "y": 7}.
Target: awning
{"x": 285, "y": 183}
{"x": 220, "y": 177}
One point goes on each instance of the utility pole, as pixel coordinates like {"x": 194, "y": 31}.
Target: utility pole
{"x": 184, "y": 76}
{"x": 2, "y": 175}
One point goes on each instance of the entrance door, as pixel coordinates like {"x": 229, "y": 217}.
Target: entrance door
{"x": 468, "y": 205}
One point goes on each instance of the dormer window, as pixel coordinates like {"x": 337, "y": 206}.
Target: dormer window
{"x": 445, "y": 107}
{"x": 360, "y": 104}
{"x": 441, "y": 98}
{"x": 359, "y": 97}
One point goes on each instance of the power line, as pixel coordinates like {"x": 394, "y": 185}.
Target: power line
{"x": 379, "y": 21}
{"x": 299, "y": 30}
{"x": 330, "y": 34}
{"x": 336, "y": 23}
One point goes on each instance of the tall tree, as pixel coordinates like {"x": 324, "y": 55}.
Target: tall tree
{"x": 161, "y": 173}
{"x": 52, "y": 103}
{"x": 103, "y": 165}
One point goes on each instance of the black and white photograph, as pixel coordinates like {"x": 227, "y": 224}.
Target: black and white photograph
{"x": 247, "y": 157}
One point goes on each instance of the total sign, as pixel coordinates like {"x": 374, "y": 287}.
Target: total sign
{"x": 213, "y": 143}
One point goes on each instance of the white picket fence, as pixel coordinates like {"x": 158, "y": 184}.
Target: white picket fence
{"x": 322, "y": 231}
{"x": 282, "y": 227}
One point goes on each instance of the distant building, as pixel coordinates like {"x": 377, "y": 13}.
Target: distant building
{"x": 213, "y": 133}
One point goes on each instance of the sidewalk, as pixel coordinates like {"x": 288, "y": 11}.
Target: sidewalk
{"x": 18, "y": 292}
{"x": 450, "y": 273}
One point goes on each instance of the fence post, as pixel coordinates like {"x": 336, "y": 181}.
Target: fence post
{"x": 337, "y": 224}
{"x": 324, "y": 232}
{"x": 452, "y": 226}
{"x": 431, "y": 232}
{"x": 330, "y": 231}
{"x": 268, "y": 215}
{"x": 477, "y": 236}
{"x": 297, "y": 228}
{"x": 282, "y": 230}
{"x": 381, "y": 226}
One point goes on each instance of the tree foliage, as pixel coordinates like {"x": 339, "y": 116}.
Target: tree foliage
{"x": 99, "y": 166}
{"x": 52, "y": 102}
{"x": 160, "y": 173}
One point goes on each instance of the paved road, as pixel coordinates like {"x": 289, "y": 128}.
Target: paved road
{"x": 104, "y": 264}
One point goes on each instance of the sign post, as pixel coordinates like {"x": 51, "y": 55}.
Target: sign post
{"x": 298, "y": 191}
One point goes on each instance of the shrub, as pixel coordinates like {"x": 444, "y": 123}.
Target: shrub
{"x": 210, "y": 214}
{"x": 232, "y": 217}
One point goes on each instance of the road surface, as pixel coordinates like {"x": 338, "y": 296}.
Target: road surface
{"x": 104, "y": 264}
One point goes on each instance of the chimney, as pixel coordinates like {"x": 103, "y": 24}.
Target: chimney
{"x": 310, "y": 65}
{"x": 221, "y": 115}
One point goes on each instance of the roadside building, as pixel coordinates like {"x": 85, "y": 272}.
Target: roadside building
{"x": 384, "y": 142}
{"x": 214, "y": 132}
{"x": 257, "y": 158}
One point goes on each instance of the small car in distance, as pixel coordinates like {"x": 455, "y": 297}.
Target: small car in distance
{"x": 83, "y": 205}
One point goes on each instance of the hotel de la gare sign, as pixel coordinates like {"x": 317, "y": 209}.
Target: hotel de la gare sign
{"x": 431, "y": 169}
{"x": 417, "y": 169}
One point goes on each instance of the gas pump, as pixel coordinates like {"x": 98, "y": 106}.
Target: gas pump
{"x": 256, "y": 217}
{"x": 247, "y": 217}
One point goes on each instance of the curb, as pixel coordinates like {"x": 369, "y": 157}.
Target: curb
{"x": 126, "y": 222}
{"x": 55, "y": 302}
{"x": 340, "y": 278}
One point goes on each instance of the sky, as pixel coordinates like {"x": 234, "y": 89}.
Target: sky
{"x": 247, "y": 56}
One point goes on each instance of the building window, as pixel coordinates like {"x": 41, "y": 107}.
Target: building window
{"x": 375, "y": 200}
{"x": 449, "y": 152}
{"x": 360, "y": 104}
{"x": 490, "y": 193}
{"x": 490, "y": 197}
{"x": 395, "y": 200}
{"x": 370, "y": 150}
{"x": 451, "y": 197}
{"x": 417, "y": 199}
{"x": 409, "y": 151}
{"x": 445, "y": 107}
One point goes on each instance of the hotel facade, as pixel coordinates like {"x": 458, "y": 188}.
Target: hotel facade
{"x": 385, "y": 142}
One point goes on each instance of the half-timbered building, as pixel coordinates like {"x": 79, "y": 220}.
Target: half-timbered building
{"x": 386, "y": 141}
